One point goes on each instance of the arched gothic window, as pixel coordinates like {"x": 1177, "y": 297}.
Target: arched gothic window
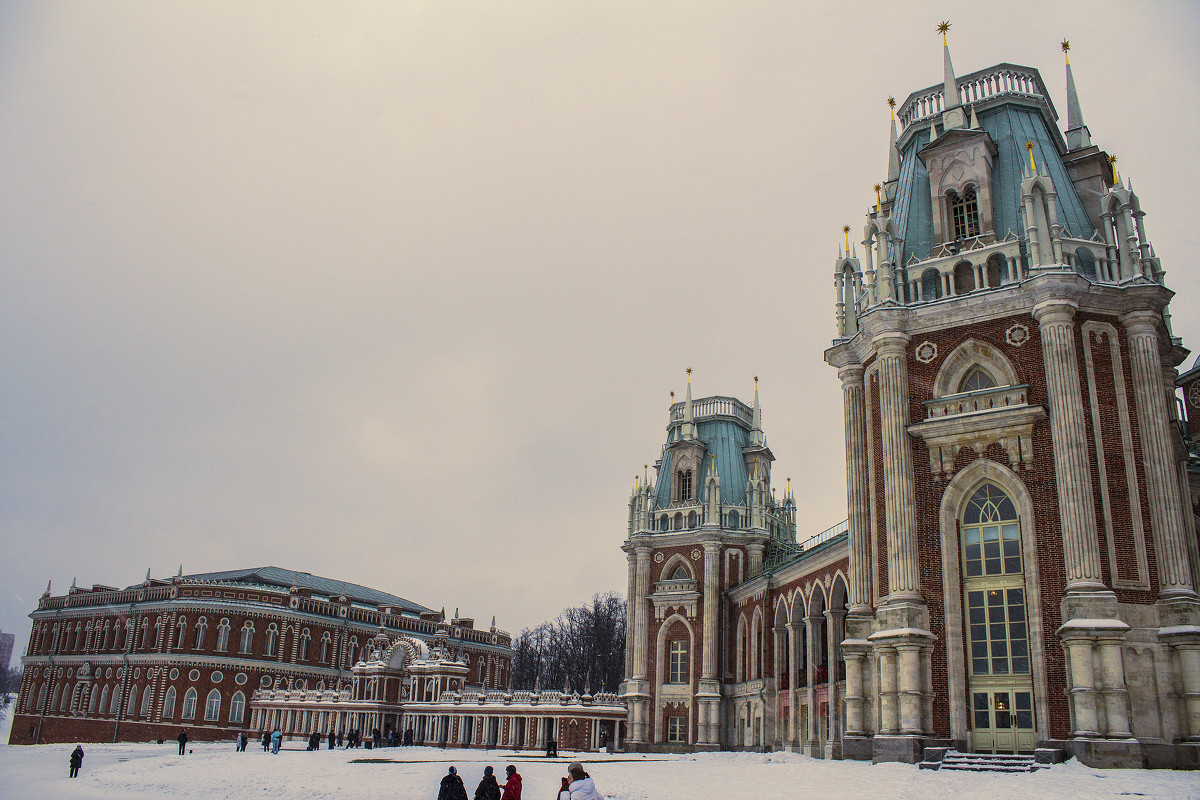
{"x": 145, "y": 710}
{"x": 169, "y": 703}
{"x": 272, "y": 638}
{"x": 964, "y": 214}
{"x": 304, "y": 640}
{"x": 201, "y": 633}
{"x": 247, "y": 640}
{"x": 115, "y": 705}
{"x": 237, "y": 707}
{"x": 131, "y": 706}
{"x": 680, "y": 574}
{"x": 189, "y": 704}
{"x": 994, "y": 587}
{"x": 733, "y": 520}
{"x": 325, "y": 641}
{"x": 685, "y": 484}
{"x": 103, "y": 708}
{"x": 212, "y": 706}
{"x": 977, "y": 379}
{"x": 181, "y": 633}
{"x": 223, "y": 635}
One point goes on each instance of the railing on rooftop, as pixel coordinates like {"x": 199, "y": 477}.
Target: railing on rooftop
{"x": 1002, "y": 79}
{"x": 825, "y": 535}
{"x": 707, "y": 407}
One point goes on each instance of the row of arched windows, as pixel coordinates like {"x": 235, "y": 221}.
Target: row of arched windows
{"x": 107, "y": 701}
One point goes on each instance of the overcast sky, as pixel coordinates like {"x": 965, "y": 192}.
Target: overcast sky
{"x": 395, "y": 293}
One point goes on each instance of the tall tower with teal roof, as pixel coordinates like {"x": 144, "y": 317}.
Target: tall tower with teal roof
{"x": 705, "y": 521}
{"x": 1023, "y": 551}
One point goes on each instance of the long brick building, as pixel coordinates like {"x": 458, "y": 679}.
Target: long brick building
{"x": 1020, "y": 564}
{"x": 139, "y": 663}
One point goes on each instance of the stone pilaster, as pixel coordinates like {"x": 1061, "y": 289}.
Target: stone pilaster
{"x": 899, "y": 511}
{"x": 1072, "y": 470}
{"x": 811, "y": 742}
{"x": 857, "y": 497}
{"x": 709, "y": 695}
{"x": 1162, "y": 478}
{"x": 854, "y": 651}
{"x": 630, "y": 612}
{"x": 794, "y": 656}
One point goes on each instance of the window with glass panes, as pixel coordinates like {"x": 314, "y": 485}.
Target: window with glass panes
{"x": 678, "y": 670}
{"x": 993, "y": 585}
{"x": 676, "y": 729}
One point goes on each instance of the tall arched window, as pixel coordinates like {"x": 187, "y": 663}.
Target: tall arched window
{"x": 237, "y": 707}
{"x": 223, "y": 635}
{"x": 685, "y": 485}
{"x": 305, "y": 637}
{"x": 997, "y": 630}
{"x": 201, "y": 633}
{"x": 145, "y": 709}
{"x": 247, "y": 641}
{"x": 352, "y": 651}
{"x": 272, "y": 638}
{"x": 94, "y": 700}
{"x": 103, "y": 700}
{"x": 181, "y": 633}
{"x": 115, "y": 705}
{"x": 677, "y": 671}
{"x": 189, "y": 704}
{"x": 325, "y": 641}
{"x": 212, "y": 706}
{"x": 169, "y": 704}
{"x": 964, "y": 213}
{"x": 131, "y": 706}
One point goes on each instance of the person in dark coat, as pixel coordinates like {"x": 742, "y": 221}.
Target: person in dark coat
{"x": 76, "y": 759}
{"x": 512, "y": 784}
{"x": 488, "y": 789}
{"x": 332, "y": 740}
{"x": 183, "y": 740}
{"x": 266, "y": 741}
{"x": 452, "y": 787}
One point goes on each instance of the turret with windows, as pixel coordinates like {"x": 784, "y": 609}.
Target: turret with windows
{"x": 1028, "y": 537}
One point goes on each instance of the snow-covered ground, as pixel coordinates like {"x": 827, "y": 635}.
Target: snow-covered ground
{"x": 215, "y": 771}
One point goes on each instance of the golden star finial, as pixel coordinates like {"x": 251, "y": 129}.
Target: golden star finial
{"x": 891, "y": 102}
{"x": 1066, "y": 45}
{"x": 943, "y": 29}
{"x": 878, "y": 187}
{"x": 688, "y": 370}
{"x": 756, "y": 380}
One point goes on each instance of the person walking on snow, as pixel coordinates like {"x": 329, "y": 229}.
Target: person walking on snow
{"x": 183, "y": 740}
{"x": 452, "y": 787}
{"x": 266, "y": 741}
{"x": 76, "y": 759}
{"x": 512, "y": 784}
{"x": 488, "y": 789}
{"x": 582, "y": 787}
{"x": 276, "y": 740}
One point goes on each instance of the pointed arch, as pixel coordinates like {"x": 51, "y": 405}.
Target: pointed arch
{"x": 674, "y": 563}
{"x": 743, "y": 648}
{"x": 212, "y": 706}
{"x": 971, "y": 354}
{"x": 958, "y": 491}
{"x": 103, "y": 707}
{"x": 169, "y": 704}
{"x": 756, "y": 644}
{"x": 144, "y": 711}
{"x": 237, "y": 707}
{"x": 189, "y": 703}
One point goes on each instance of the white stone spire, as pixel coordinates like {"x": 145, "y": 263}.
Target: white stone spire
{"x": 893, "y": 152}
{"x": 688, "y": 429}
{"x": 1078, "y": 135}
{"x": 757, "y": 438}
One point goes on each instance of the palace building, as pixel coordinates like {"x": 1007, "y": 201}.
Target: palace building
{"x": 1020, "y": 563}
{"x": 199, "y": 651}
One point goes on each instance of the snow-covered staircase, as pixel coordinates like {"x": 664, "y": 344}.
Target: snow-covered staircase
{"x": 983, "y": 762}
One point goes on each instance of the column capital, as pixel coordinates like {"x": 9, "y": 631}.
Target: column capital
{"x": 851, "y": 375}
{"x": 1057, "y": 309}
{"x": 890, "y": 342}
{"x": 1143, "y": 320}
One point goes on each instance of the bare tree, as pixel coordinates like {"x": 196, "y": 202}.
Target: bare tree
{"x": 583, "y": 648}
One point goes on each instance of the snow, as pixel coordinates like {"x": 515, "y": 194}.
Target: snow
{"x": 214, "y": 771}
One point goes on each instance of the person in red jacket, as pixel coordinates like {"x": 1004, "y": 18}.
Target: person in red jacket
{"x": 512, "y": 785}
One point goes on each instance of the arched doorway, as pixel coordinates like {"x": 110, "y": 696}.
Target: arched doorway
{"x": 998, "y": 657}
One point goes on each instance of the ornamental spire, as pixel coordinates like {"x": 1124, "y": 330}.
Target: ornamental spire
{"x": 1078, "y": 135}
{"x": 893, "y": 152}
{"x": 950, "y": 87}
{"x": 1032, "y": 164}
{"x": 688, "y": 429}
{"x": 756, "y": 435}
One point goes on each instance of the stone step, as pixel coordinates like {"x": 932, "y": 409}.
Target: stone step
{"x": 986, "y": 762}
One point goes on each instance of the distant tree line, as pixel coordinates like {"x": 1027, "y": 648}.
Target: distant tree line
{"x": 582, "y": 648}
{"x": 10, "y": 684}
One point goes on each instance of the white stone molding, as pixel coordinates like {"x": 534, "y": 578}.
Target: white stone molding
{"x": 870, "y": 378}
{"x": 926, "y": 352}
{"x": 1093, "y": 334}
{"x": 899, "y": 501}
{"x": 1009, "y": 421}
{"x": 1017, "y": 335}
{"x": 856, "y": 489}
{"x": 1072, "y": 462}
{"x": 960, "y": 488}
{"x": 1162, "y": 487}
{"x": 969, "y": 354}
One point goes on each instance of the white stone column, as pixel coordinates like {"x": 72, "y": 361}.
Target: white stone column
{"x": 857, "y": 497}
{"x": 1083, "y": 686}
{"x": 641, "y": 591}
{"x": 1068, "y": 432}
{"x": 794, "y": 655}
{"x": 708, "y": 698}
{"x": 1116, "y": 695}
{"x": 908, "y": 676}
{"x": 630, "y": 612}
{"x": 834, "y": 619}
{"x": 812, "y": 743}
{"x": 1162, "y": 478}
{"x": 889, "y": 722}
{"x": 899, "y": 511}
{"x": 855, "y": 655}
